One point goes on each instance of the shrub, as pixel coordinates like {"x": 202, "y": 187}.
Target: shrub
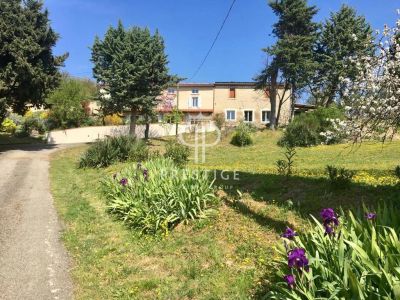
{"x": 353, "y": 257}
{"x": 242, "y": 135}
{"x": 219, "y": 120}
{"x": 114, "y": 119}
{"x": 69, "y": 100}
{"x": 35, "y": 121}
{"x": 158, "y": 195}
{"x": 113, "y": 149}
{"x": 397, "y": 172}
{"x": 177, "y": 152}
{"x": 8, "y": 126}
{"x": 339, "y": 177}
{"x": 305, "y": 130}
{"x": 285, "y": 167}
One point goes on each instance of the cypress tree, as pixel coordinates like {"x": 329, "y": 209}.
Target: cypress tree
{"x": 131, "y": 64}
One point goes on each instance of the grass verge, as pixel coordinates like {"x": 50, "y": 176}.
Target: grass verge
{"x": 224, "y": 258}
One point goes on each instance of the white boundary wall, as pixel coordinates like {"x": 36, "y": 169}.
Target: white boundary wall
{"x": 92, "y": 134}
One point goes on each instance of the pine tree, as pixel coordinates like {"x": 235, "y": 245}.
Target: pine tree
{"x": 292, "y": 54}
{"x": 344, "y": 35}
{"x": 28, "y": 68}
{"x": 131, "y": 65}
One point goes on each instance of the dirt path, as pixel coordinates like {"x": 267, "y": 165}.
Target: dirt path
{"x": 33, "y": 262}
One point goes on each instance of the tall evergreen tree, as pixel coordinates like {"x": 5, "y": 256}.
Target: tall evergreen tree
{"x": 344, "y": 35}
{"x": 28, "y": 68}
{"x": 131, "y": 64}
{"x": 292, "y": 54}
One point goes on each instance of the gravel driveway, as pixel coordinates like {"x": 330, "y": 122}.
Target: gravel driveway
{"x": 33, "y": 262}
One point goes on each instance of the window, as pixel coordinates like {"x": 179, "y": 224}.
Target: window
{"x": 248, "y": 116}
{"x": 232, "y": 93}
{"x": 195, "y": 101}
{"x": 171, "y": 91}
{"x": 195, "y": 91}
{"x": 230, "y": 115}
{"x": 265, "y": 116}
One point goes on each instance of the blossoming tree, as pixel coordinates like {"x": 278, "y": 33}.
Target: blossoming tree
{"x": 372, "y": 100}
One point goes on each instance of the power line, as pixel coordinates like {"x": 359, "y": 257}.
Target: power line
{"x": 215, "y": 40}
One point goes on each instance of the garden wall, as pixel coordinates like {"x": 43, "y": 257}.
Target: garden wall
{"x": 91, "y": 134}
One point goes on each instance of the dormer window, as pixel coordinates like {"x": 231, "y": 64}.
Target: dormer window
{"x": 195, "y": 91}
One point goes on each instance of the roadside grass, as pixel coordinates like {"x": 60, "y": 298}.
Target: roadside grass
{"x": 227, "y": 257}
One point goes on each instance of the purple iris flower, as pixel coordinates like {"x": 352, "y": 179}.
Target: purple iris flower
{"x": 327, "y": 214}
{"x": 330, "y": 220}
{"x": 289, "y": 233}
{"x": 370, "y": 216}
{"x": 146, "y": 174}
{"x": 123, "y": 181}
{"x": 297, "y": 259}
{"x": 290, "y": 280}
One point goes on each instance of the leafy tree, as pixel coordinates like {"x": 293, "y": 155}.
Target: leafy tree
{"x": 344, "y": 35}
{"x": 292, "y": 54}
{"x": 131, "y": 64}
{"x": 67, "y": 102}
{"x": 28, "y": 68}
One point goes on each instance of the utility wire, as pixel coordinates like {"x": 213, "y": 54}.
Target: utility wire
{"x": 215, "y": 40}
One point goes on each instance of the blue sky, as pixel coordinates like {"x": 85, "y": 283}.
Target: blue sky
{"x": 188, "y": 27}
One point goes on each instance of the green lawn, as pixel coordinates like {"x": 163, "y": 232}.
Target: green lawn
{"x": 227, "y": 257}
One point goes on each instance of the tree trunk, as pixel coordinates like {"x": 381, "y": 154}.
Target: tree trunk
{"x": 292, "y": 102}
{"x": 132, "y": 127}
{"x": 278, "y": 115}
{"x": 147, "y": 130}
{"x": 272, "y": 97}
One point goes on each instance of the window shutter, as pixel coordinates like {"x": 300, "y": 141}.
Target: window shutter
{"x": 190, "y": 102}
{"x": 199, "y": 102}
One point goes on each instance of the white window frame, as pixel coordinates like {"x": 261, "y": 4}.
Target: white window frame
{"x": 261, "y": 116}
{"x": 226, "y": 115}
{"x": 171, "y": 91}
{"x": 190, "y": 102}
{"x": 195, "y": 91}
{"x": 197, "y": 100}
{"x": 252, "y": 114}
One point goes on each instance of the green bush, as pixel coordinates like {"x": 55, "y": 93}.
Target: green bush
{"x": 113, "y": 149}
{"x": 397, "y": 172}
{"x": 34, "y": 121}
{"x": 339, "y": 177}
{"x": 8, "y": 126}
{"x": 158, "y": 195}
{"x": 178, "y": 152}
{"x": 360, "y": 259}
{"x": 242, "y": 135}
{"x": 305, "y": 130}
{"x": 219, "y": 120}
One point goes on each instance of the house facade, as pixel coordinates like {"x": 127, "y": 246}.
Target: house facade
{"x": 236, "y": 101}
